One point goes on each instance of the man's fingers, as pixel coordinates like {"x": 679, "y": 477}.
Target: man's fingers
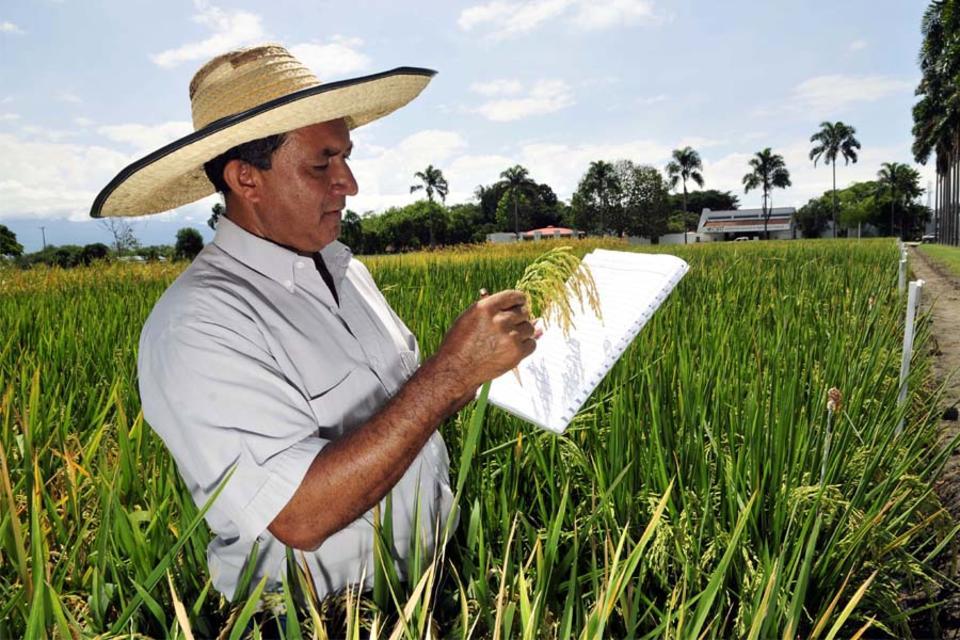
{"x": 528, "y": 346}
{"x": 511, "y": 318}
{"x": 503, "y": 300}
{"x": 525, "y": 331}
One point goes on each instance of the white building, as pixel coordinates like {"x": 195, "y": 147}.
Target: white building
{"x": 748, "y": 223}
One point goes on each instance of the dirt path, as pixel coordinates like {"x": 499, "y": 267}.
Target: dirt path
{"x": 941, "y": 291}
{"x": 941, "y": 297}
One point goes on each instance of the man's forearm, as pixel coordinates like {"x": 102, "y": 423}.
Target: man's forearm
{"x": 351, "y": 475}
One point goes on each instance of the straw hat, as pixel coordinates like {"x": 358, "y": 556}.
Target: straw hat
{"x": 242, "y": 96}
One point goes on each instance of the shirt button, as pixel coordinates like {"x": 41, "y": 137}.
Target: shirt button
{"x": 299, "y": 265}
{"x": 288, "y": 284}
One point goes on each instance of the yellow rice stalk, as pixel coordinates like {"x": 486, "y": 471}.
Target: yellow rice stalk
{"x": 552, "y": 281}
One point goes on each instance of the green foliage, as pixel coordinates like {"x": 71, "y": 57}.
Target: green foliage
{"x": 65, "y": 256}
{"x": 813, "y": 218}
{"x": 513, "y": 211}
{"x": 870, "y": 203}
{"x": 622, "y": 198}
{"x": 351, "y": 230}
{"x": 216, "y": 211}
{"x": 597, "y": 198}
{"x": 95, "y": 251}
{"x": 644, "y": 206}
{"x": 900, "y": 184}
{"x": 8, "y": 243}
{"x": 189, "y": 244}
{"x": 712, "y": 199}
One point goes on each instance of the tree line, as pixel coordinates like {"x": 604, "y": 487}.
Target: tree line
{"x": 125, "y": 245}
{"x": 612, "y": 198}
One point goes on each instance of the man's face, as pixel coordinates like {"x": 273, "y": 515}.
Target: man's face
{"x": 302, "y": 195}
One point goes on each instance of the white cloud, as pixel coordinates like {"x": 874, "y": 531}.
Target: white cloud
{"x": 53, "y": 179}
{"x": 858, "y": 45}
{"x": 9, "y": 117}
{"x": 9, "y": 27}
{"x": 502, "y": 87}
{"x": 334, "y": 59}
{"x": 611, "y": 13}
{"x": 231, "y": 29}
{"x": 504, "y": 18}
{"x": 511, "y": 18}
{"x": 47, "y": 133}
{"x": 384, "y": 174}
{"x": 546, "y": 96}
{"x": 144, "y": 137}
{"x": 824, "y": 94}
{"x": 82, "y": 122}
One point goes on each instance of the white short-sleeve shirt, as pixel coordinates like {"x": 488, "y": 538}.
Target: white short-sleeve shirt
{"x": 247, "y": 361}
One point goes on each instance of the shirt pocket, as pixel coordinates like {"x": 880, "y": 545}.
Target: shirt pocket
{"x": 328, "y": 394}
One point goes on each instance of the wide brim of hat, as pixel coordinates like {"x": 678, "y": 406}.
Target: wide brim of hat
{"x": 173, "y": 175}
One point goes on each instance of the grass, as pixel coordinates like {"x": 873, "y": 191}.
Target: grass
{"x": 705, "y": 491}
{"x": 945, "y": 256}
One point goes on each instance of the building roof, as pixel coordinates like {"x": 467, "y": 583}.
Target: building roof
{"x": 549, "y": 231}
{"x": 745, "y": 220}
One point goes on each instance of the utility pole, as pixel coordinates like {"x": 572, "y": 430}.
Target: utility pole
{"x": 44, "y": 235}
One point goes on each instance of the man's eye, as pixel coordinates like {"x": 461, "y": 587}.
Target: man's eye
{"x": 320, "y": 167}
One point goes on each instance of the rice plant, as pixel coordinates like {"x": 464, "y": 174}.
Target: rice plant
{"x": 710, "y": 488}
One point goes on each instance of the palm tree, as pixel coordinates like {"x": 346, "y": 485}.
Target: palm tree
{"x": 685, "y": 166}
{"x": 516, "y": 180}
{"x": 936, "y": 116}
{"x": 902, "y": 183}
{"x": 832, "y": 139}
{"x": 431, "y": 180}
{"x": 768, "y": 172}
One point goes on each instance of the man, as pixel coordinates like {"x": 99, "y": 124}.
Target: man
{"x": 273, "y": 367}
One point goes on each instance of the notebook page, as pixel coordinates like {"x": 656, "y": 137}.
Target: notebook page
{"x": 560, "y": 375}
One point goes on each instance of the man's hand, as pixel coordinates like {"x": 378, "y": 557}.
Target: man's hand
{"x": 491, "y": 337}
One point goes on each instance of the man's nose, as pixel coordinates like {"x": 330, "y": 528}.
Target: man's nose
{"x": 346, "y": 184}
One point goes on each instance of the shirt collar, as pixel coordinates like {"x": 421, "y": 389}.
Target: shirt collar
{"x": 273, "y": 260}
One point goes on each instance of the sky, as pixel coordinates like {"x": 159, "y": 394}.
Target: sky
{"x": 87, "y": 87}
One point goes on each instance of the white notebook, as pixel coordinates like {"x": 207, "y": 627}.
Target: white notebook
{"x": 557, "y": 379}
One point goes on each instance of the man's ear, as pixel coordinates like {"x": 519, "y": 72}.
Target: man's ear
{"x": 243, "y": 179}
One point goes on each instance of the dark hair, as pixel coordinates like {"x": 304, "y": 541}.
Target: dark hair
{"x": 256, "y": 152}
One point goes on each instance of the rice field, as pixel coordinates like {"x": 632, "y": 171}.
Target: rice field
{"x": 710, "y": 488}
